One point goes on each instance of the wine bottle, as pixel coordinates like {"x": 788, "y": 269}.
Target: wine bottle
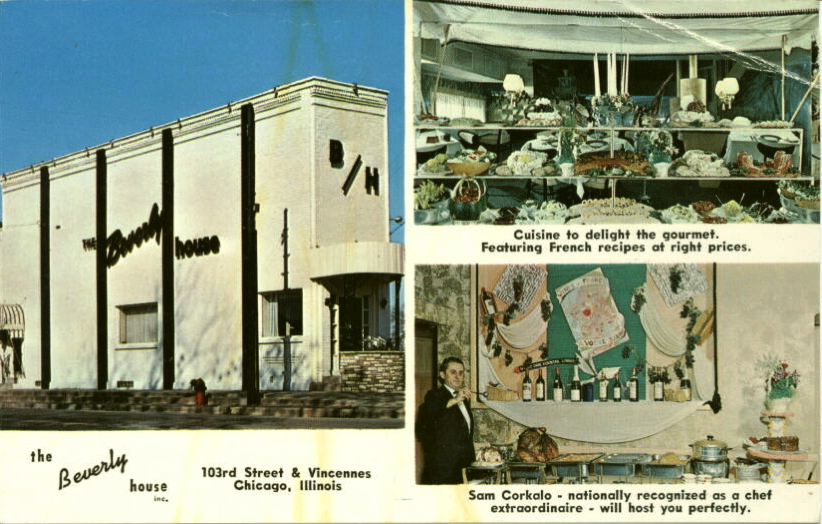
{"x": 526, "y": 387}
{"x": 557, "y": 387}
{"x": 685, "y": 384}
{"x": 488, "y": 302}
{"x": 617, "y": 395}
{"x": 540, "y": 387}
{"x": 603, "y": 387}
{"x": 633, "y": 387}
{"x": 659, "y": 387}
{"x": 576, "y": 388}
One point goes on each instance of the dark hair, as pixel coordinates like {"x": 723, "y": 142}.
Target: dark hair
{"x": 450, "y": 360}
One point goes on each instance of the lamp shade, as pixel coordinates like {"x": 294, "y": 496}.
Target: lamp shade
{"x": 513, "y": 83}
{"x": 727, "y": 86}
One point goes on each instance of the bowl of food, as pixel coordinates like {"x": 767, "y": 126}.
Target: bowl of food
{"x": 471, "y": 162}
{"x": 768, "y": 145}
{"x": 468, "y": 168}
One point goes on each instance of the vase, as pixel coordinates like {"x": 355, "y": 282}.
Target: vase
{"x": 566, "y": 156}
{"x": 611, "y": 118}
{"x": 658, "y": 156}
{"x": 778, "y": 405}
{"x": 437, "y": 212}
{"x": 662, "y": 169}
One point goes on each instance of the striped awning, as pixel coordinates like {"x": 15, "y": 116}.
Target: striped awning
{"x": 12, "y": 320}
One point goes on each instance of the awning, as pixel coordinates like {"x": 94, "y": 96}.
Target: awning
{"x": 361, "y": 261}
{"x": 12, "y": 320}
{"x": 619, "y": 26}
{"x": 351, "y": 258}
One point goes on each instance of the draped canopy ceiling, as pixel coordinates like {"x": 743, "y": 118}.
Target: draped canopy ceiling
{"x": 648, "y": 27}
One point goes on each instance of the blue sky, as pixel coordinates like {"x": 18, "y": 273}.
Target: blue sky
{"x": 76, "y": 74}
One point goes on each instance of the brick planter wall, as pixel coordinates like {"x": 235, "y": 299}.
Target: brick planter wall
{"x": 373, "y": 371}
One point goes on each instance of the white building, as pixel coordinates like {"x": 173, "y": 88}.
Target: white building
{"x": 247, "y": 245}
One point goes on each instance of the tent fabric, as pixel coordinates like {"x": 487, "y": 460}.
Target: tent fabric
{"x": 649, "y": 27}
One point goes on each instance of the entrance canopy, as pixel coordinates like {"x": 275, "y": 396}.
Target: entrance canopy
{"x": 358, "y": 261}
{"x": 614, "y": 26}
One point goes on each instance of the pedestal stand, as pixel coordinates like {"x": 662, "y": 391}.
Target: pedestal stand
{"x": 776, "y": 459}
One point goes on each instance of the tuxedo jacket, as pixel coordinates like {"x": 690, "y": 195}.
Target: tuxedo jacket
{"x": 447, "y": 440}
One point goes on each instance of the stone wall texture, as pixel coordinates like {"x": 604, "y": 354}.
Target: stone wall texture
{"x": 373, "y": 371}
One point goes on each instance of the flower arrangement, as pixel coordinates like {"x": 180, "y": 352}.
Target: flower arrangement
{"x": 619, "y": 103}
{"x": 662, "y": 140}
{"x": 781, "y": 382}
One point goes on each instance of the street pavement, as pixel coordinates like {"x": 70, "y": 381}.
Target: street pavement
{"x": 75, "y": 420}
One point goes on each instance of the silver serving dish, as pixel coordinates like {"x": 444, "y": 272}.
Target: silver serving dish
{"x": 664, "y": 471}
{"x": 714, "y": 468}
{"x": 620, "y": 464}
{"x": 572, "y": 464}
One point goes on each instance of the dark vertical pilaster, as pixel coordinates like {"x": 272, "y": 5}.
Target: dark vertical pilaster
{"x": 251, "y": 368}
{"x": 397, "y": 317}
{"x": 45, "y": 278}
{"x": 168, "y": 259}
{"x": 102, "y": 270}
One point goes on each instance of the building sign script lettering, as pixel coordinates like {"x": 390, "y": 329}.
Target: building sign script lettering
{"x": 119, "y": 245}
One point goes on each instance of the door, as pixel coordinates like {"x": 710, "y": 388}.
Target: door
{"x": 351, "y": 324}
{"x": 425, "y": 371}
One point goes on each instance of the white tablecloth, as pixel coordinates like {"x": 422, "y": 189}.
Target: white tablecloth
{"x": 599, "y": 422}
{"x": 744, "y": 140}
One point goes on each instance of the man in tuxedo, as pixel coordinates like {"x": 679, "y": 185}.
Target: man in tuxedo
{"x": 445, "y": 426}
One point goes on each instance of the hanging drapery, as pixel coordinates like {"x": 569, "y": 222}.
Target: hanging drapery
{"x": 651, "y": 27}
{"x": 519, "y": 328}
{"x": 523, "y": 333}
{"x": 667, "y": 330}
{"x": 595, "y": 422}
{"x": 598, "y": 422}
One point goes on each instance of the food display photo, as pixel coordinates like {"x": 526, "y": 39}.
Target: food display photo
{"x": 564, "y": 115}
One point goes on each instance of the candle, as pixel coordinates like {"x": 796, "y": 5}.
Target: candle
{"x": 612, "y": 81}
{"x": 625, "y": 74}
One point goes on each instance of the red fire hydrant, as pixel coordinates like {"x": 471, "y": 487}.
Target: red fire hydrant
{"x": 199, "y": 387}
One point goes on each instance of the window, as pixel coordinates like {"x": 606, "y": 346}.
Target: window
{"x": 459, "y": 106}
{"x": 283, "y": 313}
{"x": 366, "y": 316}
{"x": 138, "y": 324}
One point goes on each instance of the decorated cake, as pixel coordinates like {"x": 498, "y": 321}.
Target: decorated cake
{"x": 525, "y": 162}
{"x": 789, "y": 443}
{"x": 625, "y": 163}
